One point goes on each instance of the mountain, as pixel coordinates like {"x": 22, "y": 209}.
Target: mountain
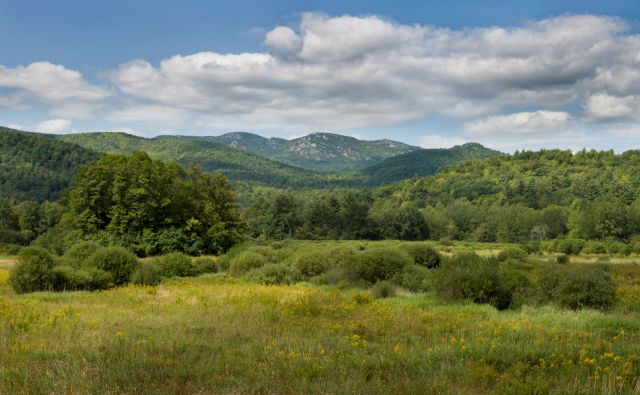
{"x": 237, "y": 164}
{"x": 36, "y": 166}
{"x": 423, "y": 162}
{"x": 326, "y": 152}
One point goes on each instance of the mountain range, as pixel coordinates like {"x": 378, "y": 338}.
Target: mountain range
{"x": 319, "y": 160}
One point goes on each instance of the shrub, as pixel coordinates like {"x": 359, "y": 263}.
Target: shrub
{"x": 616, "y": 247}
{"x": 415, "y": 278}
{"x": 383, "y": 289}
{"x": 562, "y": 259}
{"x": 313, "y": 263}
{"x": 176, "y": 264}
{"x": 245, "y": 262}
{"x": 81, "y": 251}
{"x": 423, "y": 255}
{"x": 205, "y": 264}
{"x": 468, "y": 276}
{"x": 115, "y": 260}
{"x": 567, "y": 246}
{"x": 517, "y": 284}
{"x": 594, "y": 247}
{"x": 379, "y": 263}
{"x": 33, "y": 271}
{"x": 273, "y": 273}
{"x": 547, "y": 278}
{"x": 146, "y": 275}
{"x": 362, "y": 298}
{"x": 512, "y": 253}
{"x": 10, "y": 249}
{"x": 586, "y": 287}
{"x": 67, "y": 278}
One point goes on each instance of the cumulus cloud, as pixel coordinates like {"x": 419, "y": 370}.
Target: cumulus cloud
{"x": 604, "y": 106}
{"x": 55, "y": 126}
{"x": 349, "y": 72}
{"x": 437, "y": 141}
{"x": 66, "y": 91}
{"x": 519, "y": 123}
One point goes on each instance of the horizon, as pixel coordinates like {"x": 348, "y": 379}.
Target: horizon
{"x": 507, "y": 76}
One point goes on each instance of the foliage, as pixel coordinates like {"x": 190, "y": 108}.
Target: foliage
{"x": 247, "y": 261}
{"x": 117, "y": 261}
{"x": 176, "y": 265}
{"x": 380, "y": 263}
{"x": 153, "y": 207}
{"x": 33, "y": 271}
{"x": 205, "y": 264}
{"x": 81, "y": 251}
{"x": 468, "y": 276}
{"x": 383, "y": 289}
{"x": 415, "y": 278}
{"x": 586, "y": 287}
{"x": 37, "y": 167}
{"x": 423, "y": 255}
{"x": 512, "y": 253}
{"x": 563, "y": 259}
{"x": 67, "y": 278}
{"x": 146, "y": 274}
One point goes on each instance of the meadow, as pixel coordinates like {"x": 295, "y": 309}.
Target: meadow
{"x": 217, "y": 333}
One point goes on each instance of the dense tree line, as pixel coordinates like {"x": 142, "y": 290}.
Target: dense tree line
{"x": 149, "y": 207}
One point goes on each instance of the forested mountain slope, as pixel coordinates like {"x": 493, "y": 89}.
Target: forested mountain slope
{"x": 234, "y": 163}
{"x": 327, "y": 152}
{"x": 38, "y": 167}
{"x": 423, "y": 162}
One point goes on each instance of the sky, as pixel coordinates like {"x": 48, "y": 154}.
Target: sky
{"x": 508, "y": 74}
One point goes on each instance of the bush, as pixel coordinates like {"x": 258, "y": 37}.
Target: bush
{"x": 81, "y": 251}
{"x": 562, "y": 259}
{"x": 594, "y": 247}
{"x": 313, "y": 263}
{"x": 383, "y": 289}
{"x": 616, "y": 247}
{"x": 67, "y": 278}
{"x": 567, "y": 246}
{"x": 547, "y": 278}
{"x": 10, "y": 249}
{"x": 115, "y": 260}
{"x": 273, "y": 273}
{"x": 376, "y": 264}
{"x": 415, "y": 278}
{"x": 176, "y": 264}
{"x": 423, "y": 255}
{"x": 206, "y": 264}
{"x": 146, "y": 275}
{"x": 586, "y": 287}
{"x": 245, "y": 262}
{"x": 468, "y": 276}
{"x": 512, "y": 253}
{"x": 33, "y": 271}
{"x": 517, "y": 284}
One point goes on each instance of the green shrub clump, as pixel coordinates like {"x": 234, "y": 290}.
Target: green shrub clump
{"x": 512, "y": 253}
{"x": 379, "y": 263}
{"x": 176, "y": 264}
{"x": 247, "y": 261}
{"x": 586, "y": 287}
{"x": 205, "y": 264}
{"x": 567, "y": 246}
{"x": 423, "y": 255}
{"x": 117, "y": 261}
{"x": 383, "y": 289}
{"x": 146, "y": 275}
{"x": 471, "y": 277}
{"x": 594, "y": 247}
{"x": 67, "y": 278}
{"x": 563, "y": 259}
{"x": 81, "y": 251}
{"x": 33, "y": 271}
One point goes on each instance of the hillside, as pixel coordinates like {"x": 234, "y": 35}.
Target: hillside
{"x": 325, "y": 152}
{"x": 423, "y": 162}
{"x": 38, "y": 167}
{"x": 235, "y": 163}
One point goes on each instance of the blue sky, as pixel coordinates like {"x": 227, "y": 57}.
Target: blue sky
{"x": 509, "y": 74}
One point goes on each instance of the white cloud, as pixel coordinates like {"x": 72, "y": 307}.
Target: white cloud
{"x": 519, "y": 123}
{"x": 55, "y": 126}
{"x": 353, "y": 72}
{"x": 64, "y": 90}
{"x": 604, "y": 106}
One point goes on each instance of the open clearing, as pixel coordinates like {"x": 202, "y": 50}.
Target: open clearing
{"x": 214, "y": 334}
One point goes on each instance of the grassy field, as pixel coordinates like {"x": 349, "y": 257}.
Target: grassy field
{"x": 217, "y": 334}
